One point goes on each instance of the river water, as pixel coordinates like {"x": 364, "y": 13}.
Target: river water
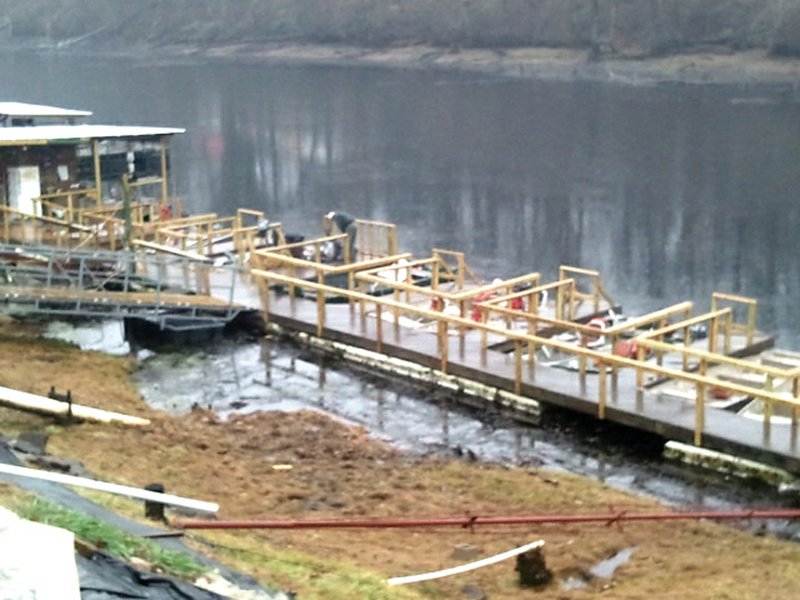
{"x": 672, "y": 192}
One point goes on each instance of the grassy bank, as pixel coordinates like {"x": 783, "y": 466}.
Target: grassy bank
{"x": 340, "y": 471}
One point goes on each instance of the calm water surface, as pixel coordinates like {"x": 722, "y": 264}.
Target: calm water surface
{"x": 672, "y": 192}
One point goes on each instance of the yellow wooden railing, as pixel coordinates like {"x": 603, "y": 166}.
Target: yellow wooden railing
{"x": 606, "y": 363}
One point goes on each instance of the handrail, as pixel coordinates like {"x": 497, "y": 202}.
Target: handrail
{"x": 751, "y": 304}
{"x": 603, "y": 360}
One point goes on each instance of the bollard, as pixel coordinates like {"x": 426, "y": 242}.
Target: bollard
{"x": 154, "y": 510}
{"x": 533, "y": 571}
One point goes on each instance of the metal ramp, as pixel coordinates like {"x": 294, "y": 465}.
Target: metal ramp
{"x": 175, "y": 292}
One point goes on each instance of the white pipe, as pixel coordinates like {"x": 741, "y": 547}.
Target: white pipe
{"x": 111, "y": 488}
{"x": 467, "y": 567}
{"x": 41, "y": 404}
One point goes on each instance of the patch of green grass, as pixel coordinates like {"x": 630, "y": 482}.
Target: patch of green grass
{"x": 312, "y": 578}
{"x": 110, "y": 539}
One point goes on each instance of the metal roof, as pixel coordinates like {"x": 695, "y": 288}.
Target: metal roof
{"x": 46, "y": 134}
{"x": 23, "y": 109}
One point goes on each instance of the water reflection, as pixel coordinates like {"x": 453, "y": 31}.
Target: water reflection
{"x": 275, "y": 376}
{"x": 672, "y": 192}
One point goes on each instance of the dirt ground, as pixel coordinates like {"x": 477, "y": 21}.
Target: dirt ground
{"x": 339, "y": 471}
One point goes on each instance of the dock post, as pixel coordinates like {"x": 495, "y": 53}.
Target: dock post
{"x": 728, "y": 330}
{"x": 751, "y": 323}
{"x": 378, "y": 327}
{"x": 351, "y": 284}
{"x": 639, "y": 369}
{"x": 768, "y": 408}
{"x": 443, "y": 344}
{"x": 687, "y": 343}
{"x": 320, "y": 312}
{"x": 263, "y": 286}
{"x": 602, "y": 390}
{"x": 700, "y": 413}
{"x": 362, "y": 303}
{"x": 795, "y": 390}
{"x": 712, "y": 335}
{"x": 462, "y": 308}
{"x": 518, "y": 367}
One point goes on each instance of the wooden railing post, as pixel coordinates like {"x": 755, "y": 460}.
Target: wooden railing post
{"x": 378, "y": 327}
{"x": 751, "y": 324}
{"x": 639, "y": 369}
{"x": 517, "y": 367}
{"x": 687, "y": 343}
{"x": 443, "y": 344}
{"x": 700, "y": 413}
{"x": 768, "y": 407}
{"x": 602, "y": 390}
{"x": 712, "y": 334}
{"x": 728, "y": 332}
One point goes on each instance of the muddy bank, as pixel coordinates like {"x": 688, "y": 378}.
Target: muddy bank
{"x": 237, "y": 378}
{"x": 333, "y": 470}
{"x": 750, "y": 68}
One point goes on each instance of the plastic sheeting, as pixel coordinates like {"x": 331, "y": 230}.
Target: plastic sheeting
{"x": 105, "y": 578}
{"x": 37, "y": 562}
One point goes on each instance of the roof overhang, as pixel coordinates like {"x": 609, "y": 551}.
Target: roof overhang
{"x": 78, "y": 134}
{"x": 23, "y": 109}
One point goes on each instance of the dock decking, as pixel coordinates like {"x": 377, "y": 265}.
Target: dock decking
{"x": 612, "y": 394}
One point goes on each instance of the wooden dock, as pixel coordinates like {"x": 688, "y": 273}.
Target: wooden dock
{"x": 648, "y": 410}
{"x": 559, "y": 343}
{"x": 514, "y": 339}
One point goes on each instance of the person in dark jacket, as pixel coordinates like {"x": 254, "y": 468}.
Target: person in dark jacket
{"x": 340, "y": 222}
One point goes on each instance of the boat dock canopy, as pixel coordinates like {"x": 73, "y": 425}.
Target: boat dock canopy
{"x": 13, "y": 114}
{"x": 55, "y": 134}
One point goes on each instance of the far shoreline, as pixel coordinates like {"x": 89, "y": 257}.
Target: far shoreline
{"x": 718, "y": 66}
{"x": 753, "y": 68}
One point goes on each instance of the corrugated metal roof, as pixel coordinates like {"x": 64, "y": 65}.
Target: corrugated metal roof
{"x": 23, "y": 109}
{"x": 44, "y": 134}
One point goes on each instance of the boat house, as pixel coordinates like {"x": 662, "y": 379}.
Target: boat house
{"x": 52, "y": 155}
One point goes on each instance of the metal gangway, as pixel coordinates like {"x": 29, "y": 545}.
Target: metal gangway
{"x": 174, "y": 291}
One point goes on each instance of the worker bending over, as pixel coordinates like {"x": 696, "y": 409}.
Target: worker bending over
{"x": 340, "y": 222}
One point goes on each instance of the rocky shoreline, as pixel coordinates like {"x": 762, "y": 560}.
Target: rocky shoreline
{"x": 749, "y": 68}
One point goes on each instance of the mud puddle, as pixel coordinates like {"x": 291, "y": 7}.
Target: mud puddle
{"x": 242, "y": 377}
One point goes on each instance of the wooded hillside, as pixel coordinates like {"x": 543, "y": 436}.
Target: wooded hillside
{"x": 628, "y": 28}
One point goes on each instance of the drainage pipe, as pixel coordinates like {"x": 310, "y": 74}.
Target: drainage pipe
{"x": 469, "y": 522}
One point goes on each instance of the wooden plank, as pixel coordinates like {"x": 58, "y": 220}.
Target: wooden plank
{"x": 111, "y": 488}
{"x": 43, "y": 405}
{"x": 126, "y": 298}
{"x": 171, "y": 250}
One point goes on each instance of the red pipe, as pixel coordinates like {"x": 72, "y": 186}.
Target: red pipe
{"x": 468, "y": 522}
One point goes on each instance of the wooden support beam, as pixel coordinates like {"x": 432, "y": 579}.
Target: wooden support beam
{"x": 602, "y": 390}
{"x": 700, "y": 413}
{"x": 111, "y": 488}
{"x": 98, "y": 177}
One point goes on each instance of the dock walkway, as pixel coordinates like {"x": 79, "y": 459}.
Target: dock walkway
{"x": 649, "y": 409}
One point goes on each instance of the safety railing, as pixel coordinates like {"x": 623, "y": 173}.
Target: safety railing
{"x": 116, "y": 284}
{"x": 23, "y": 228}
{"x": 66, "y": 205}
{"x": 210, "y": 235}
{"x": 718, "y": 299}
{"x": 596, "y": 294}
{"x": 375, "y": 239}
{"x": 607, "y": 364}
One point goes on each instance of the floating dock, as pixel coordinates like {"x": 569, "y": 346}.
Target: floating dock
{"x": 707, "y": 379}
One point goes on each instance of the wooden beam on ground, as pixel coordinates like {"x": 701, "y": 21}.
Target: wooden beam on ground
{"x": 111, "y": 488}
{"x": 43, "y": 405}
